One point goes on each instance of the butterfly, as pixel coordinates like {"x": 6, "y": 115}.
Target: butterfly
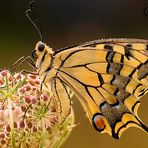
{"x": 108, "y": 76}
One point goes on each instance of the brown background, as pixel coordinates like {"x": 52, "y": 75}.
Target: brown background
{"x": 67, "y": 22}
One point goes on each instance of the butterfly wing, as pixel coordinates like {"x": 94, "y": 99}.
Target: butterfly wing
{"x": 108, "y": 77}
{"x": 62, "y": 98}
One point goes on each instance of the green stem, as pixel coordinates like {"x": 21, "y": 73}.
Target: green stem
{"x": 46, "y": 109}
{"x": 43, "y": 133}
{"x": 67, "y": 131}
{"x": 7, "y": 83}
{"x": 62, "y": 139}
{"x": 11, "y": 123}
{"x": 2, "y": 91}
{"x": 18, "y": 86}
{"x": 22, "y": 145}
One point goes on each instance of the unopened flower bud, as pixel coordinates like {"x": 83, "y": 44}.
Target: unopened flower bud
{"x": 44, "y": 97}
{"x": 28, "y": 99}
{"x": 29, "y": 124}
{"x": 2, "y": 81}
{"x": 4, "y": 72}
{"x": 22, "y": 124}
{"x": 23, "y": 108}
{"x": 8, "y": 129}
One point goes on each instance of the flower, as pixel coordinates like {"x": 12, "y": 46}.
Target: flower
{"x": 28, "y": 115}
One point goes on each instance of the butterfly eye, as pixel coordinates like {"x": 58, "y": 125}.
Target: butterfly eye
{"x": 41, "y": 47}
{"x": 34, "y": 55}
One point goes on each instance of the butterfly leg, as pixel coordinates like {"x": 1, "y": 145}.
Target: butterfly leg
{"x": 20, "y": 61}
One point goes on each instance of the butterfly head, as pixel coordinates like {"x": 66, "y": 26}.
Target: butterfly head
{"x": 43, "y": 55}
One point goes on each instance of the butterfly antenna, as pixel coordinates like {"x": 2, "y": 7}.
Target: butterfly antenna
{"x": 37, "y": 24}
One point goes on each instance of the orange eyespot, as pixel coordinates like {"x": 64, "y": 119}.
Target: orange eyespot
{"x": 98, "y": 122}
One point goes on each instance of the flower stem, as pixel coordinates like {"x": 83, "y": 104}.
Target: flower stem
{"x": 11, "y": 123}
{"x": 43, "y": 133}
{"x": 67, "y": 132}
{"x": 7, "y": 83}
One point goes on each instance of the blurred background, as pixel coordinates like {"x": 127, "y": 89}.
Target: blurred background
{"x": 68, "y": 22}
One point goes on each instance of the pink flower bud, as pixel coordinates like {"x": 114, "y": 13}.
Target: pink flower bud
{"x": 32, "y": 76}
{"x": 22, "y": 90}
{"x": 44, "y": 97}
{"x": 23, "y": 108}
{"x": 2, "y": 81}
{"x": 37, "y": 82}
{"x": 32, "y": 82}
{"x": 35, "y": 129}
{"x": 33, "y": 100}
{"x": 27, "y": 88}
{"x": 3, "y": 142}
{"x": 11, "y": 78}
{"x": 4, "y": 72}
{"x": 28, "y": 99}
{"x": 22, "y": 124}
{"x": 15, "y": 125}
{"x": 2, "y": 135}
{"x": 29, "y": 124}
{"x": 8, "y": 129}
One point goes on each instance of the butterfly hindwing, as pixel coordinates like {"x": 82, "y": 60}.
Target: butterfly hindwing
{"x": 62, "y": 99}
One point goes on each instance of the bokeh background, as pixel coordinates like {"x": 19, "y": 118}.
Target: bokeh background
{"x": 68, "y": 22}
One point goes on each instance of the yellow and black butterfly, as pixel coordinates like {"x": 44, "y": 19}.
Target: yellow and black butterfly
{"x": 107, "y": 76}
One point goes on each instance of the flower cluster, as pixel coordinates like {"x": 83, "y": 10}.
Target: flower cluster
{"x": 28, "y": 115}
